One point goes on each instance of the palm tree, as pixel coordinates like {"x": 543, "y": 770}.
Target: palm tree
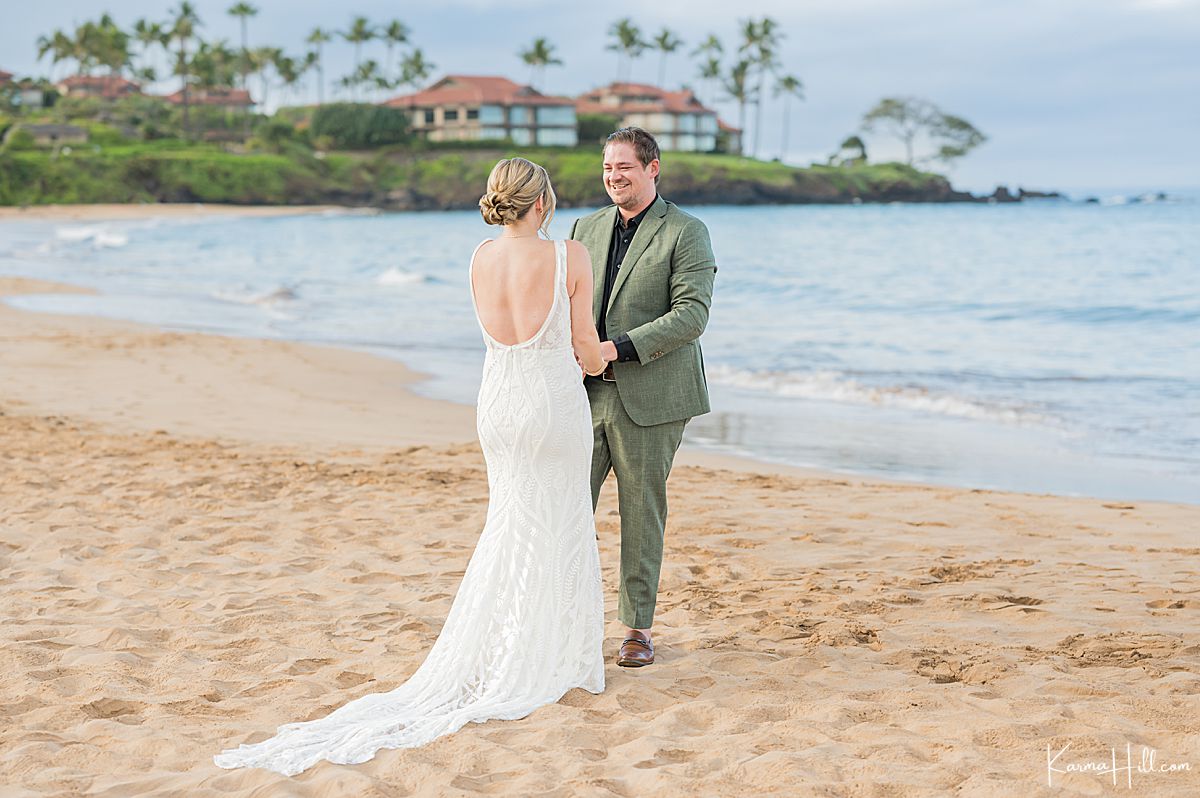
{"x": 149, "y": 34}
{"x": 737, "y": 87}
{"x": 539, "y": 56}
{"x": 290, "y": 70}
{"x": 710, "y": 72}
{"x": 112, "y": 45}
{"x": 360, "y": 32}
{"x": 264, "y": 59}
{"x": 710, "y": 68}
{"x": 59, "y": 45}
{"x": 761, "y": 40}
{"x": 319, "y": 37}
{"x": 666, "y": 43}
{"x": 183, "y": 27}
{"x": 789, "y": 86}
{"x": 627, "y": 42}
{"x": 414, "y": 69}
{"x": 243, "y": 11}
{"x": 395, "y": 33}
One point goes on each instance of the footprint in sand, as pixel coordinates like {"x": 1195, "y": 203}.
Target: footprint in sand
{"x": 304, "y": 666}
{"x": 114, "y": 709}
{"x": 666, "y": 756}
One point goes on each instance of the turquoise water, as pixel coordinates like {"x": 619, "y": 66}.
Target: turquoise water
{"x": 1047, "y": 346}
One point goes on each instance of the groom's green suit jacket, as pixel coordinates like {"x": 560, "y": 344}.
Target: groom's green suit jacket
{"x": 660, "y": 299}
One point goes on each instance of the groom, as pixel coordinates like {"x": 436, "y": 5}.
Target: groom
{"x": 654, "y": 268}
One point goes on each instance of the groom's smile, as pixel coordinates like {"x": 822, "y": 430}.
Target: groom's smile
{"x": 629, "y": 182}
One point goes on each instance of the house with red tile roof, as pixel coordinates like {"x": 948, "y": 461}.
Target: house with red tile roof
{"x": 5, "y": 78}
{"x": 108, "y": 87}
{"x": 224, "y": 97}
{"x": 677, "y": 119}
{"x": 475, "y": 107}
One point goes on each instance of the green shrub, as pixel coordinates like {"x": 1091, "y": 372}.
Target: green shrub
{"x": 19, "y": 139}
{"x": 356, "y": 126}
{"x": 594, "y": 128}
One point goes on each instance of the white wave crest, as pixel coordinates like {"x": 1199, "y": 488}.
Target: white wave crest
{"x": 395, "y": 276}
{"x": 275, "y": 296}
{"x": 101, "y": 236}
{"x": 831, "y": 386}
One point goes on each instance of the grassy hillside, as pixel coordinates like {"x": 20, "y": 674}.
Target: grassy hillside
{"x": 170, "y": 171}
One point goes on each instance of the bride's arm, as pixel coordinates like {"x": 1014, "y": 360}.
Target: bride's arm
{"x": 584, "y": 338}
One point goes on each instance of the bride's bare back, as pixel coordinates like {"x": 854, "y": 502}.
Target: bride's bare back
{"x": 513, "y": 283}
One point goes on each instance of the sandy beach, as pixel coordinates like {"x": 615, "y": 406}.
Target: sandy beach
{"x": 204, "y": 537}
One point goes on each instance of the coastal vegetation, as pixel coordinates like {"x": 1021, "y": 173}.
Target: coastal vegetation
{"x": 134, "y": 147}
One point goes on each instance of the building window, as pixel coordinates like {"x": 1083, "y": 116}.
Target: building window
{"x": 562, "y": 115}
{"x": 522, "y": 136}
{"x": 519, "y": 115}
{"x": 449, "y": 114}
{"x": 472, "y": 113}
{"x": 557, "y": 137}
{"x": 491, "y": 115}
{"x": 492, "y": 133}
{"x": 429, "y": 116}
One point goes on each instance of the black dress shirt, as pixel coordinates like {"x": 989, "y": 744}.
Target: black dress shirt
{"x": 622, "y": 234}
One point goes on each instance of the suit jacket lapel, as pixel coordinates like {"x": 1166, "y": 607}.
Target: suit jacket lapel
{"x": 599, "y": 244}
{"x": 641, "y": 239}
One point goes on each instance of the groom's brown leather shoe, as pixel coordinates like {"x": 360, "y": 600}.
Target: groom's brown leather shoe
{"x": 636, "y": 651}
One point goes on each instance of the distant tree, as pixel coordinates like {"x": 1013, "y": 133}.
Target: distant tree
{"x": 710, "y": 73}
{"x": 243, "y": 12}
{"x": 360, "y": 31}
{"x": 414, "y": 69}
{"x": 359, "y": 125}
{"x": 184, "y": 22}
{"x": 628, "y": 44}
{"x": 290, "y": 70}
{"x": 395, "y": 33}
{"x": 710, "y": 68}
{"x": 666, "y": 43}
{"x": 265, "y": 60}
{"x": 907, "y": 118}
{"x": 148, "y": 35}
{"x": 737, "y": 87}
{"x": 957, "y": 136}
{"x": 215, "y": 64}
{"x": 319, "y": 38}
{"x": 594, "y": 128}
{"x": 851, "y": 152}
{"x": 539, "y": 56}
{"x": 60, "y": 47}
{"x": 787, "y": 86}
{"x": 760, "y": 41}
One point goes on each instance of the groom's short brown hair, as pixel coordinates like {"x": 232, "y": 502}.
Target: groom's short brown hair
{"x": 643, "y": 143}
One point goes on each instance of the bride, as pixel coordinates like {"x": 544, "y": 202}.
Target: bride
{"x": 527, "y": 622}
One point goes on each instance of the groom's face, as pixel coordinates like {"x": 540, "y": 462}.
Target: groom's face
{"x": 628, "y": 183}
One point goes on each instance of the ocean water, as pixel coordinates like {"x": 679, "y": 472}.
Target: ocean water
{"x": 1049, "y": 346}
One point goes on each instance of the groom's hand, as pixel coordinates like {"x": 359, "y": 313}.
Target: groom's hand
{"x": 608, "y": 351}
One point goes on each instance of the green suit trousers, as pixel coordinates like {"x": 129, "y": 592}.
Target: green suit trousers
{"x": 641, "y": 458}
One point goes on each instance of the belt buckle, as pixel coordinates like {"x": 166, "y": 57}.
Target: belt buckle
{"x": 607, "y": 375}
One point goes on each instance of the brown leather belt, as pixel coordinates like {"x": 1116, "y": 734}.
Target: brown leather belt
{"x": 607, "y": 375}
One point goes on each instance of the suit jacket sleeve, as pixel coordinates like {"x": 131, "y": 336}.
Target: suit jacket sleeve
{"x": 693, "y": 268}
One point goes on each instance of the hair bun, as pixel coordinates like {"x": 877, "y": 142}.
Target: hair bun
{"x": 498, "y": 208}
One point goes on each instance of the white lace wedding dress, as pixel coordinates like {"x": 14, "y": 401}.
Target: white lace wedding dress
{"x": 527, "y": 622}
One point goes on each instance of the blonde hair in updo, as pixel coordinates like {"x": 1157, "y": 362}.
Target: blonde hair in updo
{"x": 512, "y": 188}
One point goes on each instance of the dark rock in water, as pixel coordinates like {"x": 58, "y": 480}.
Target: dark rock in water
{"x": 1002, "y": 194}
{"x": 1092, "y": 200}
{"x": 1023, "y": 194}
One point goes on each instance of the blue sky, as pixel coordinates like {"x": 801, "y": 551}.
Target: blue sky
{"x": 1074, "y": 94}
